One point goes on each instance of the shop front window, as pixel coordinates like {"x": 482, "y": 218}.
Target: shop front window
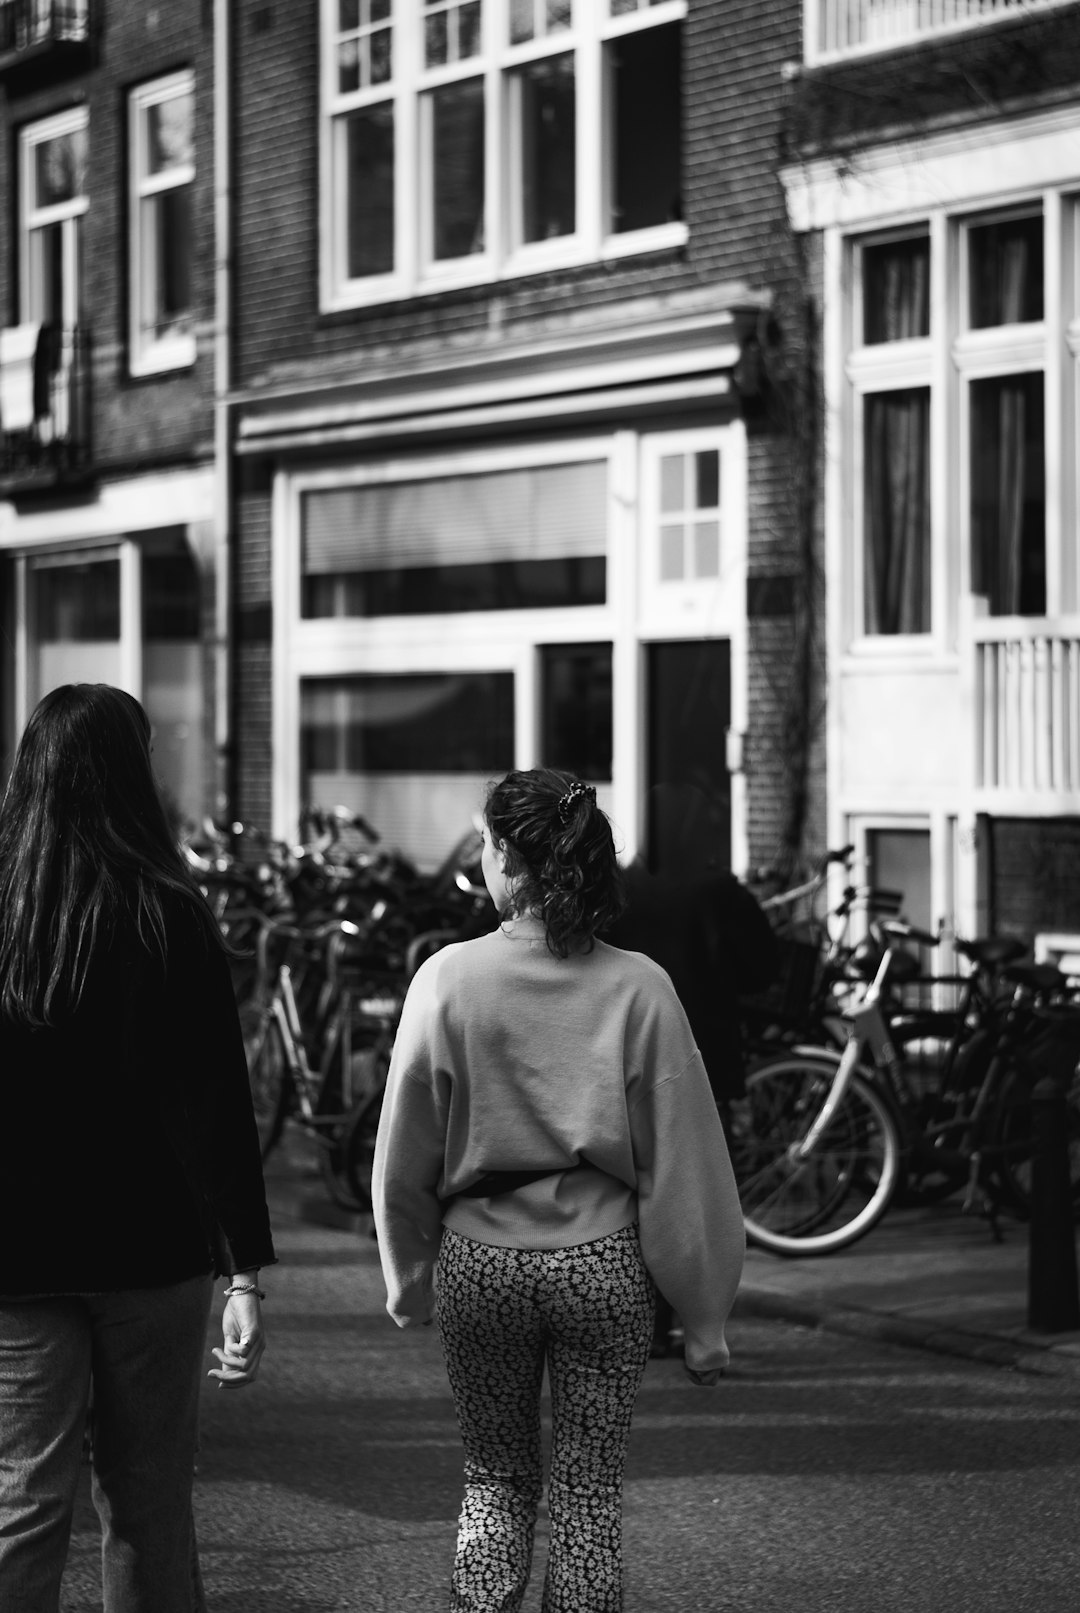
{"x": 509, "y": 540}
{"x": 411, "y": 751}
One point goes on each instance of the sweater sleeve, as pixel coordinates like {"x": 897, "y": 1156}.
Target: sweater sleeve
{"x": 690, "y": 1220}
{"x": 408, "y": 1164}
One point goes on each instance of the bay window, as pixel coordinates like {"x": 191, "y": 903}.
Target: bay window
{"x": 465, "y": 140}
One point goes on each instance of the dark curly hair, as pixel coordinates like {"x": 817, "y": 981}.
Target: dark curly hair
{"x": 560, "y": 856}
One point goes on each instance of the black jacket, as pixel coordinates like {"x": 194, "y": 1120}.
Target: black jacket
{"x": 711, "y": 936}
{"x": 129, "y": 1156}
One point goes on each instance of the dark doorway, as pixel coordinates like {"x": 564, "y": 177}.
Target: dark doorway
{"x": 688, "y": 807}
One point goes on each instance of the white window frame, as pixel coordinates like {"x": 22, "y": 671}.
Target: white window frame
{"x": 504, "y": 255}
{"x": 149, "y": 355}
{"x": 67, "y": 214}
{"x": 946, "y": 362}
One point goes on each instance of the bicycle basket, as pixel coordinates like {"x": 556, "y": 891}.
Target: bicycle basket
{"x": 787, "y": 1000}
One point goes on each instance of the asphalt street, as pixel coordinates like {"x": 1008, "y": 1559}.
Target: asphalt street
{"x": 824, "y": 1475}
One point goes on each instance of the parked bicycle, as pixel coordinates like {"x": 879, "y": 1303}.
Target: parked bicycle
{"x": 828, "y": 1137}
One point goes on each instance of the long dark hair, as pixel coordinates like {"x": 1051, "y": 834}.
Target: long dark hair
{"x": 560, "y": 857}
{"x": 85, "y": 849}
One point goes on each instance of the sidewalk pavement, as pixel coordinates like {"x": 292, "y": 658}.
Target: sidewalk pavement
{"x": 929, "y": 1279}
{"x": 932, "y": 1279}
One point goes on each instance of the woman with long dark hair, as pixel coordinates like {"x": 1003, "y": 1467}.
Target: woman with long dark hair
{"x": 549, "y": 1151}
{"x": 129, "y": 1162}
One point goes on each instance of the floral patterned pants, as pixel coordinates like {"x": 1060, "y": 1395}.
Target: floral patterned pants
{"x": 587, "y": 1311}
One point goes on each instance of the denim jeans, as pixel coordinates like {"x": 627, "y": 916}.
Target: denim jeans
{"x": 143, "y": 1351}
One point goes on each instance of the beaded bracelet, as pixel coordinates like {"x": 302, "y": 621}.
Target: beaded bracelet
{"x": 243, "y": 1288}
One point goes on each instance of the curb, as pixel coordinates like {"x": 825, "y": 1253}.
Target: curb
{"x": 852, "y": 1322}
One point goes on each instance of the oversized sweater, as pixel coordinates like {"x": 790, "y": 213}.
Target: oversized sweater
{"x": 510, "y": 1059}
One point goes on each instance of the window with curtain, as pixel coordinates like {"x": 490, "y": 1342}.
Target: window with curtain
{"x": 896, "y": 290}
{"x": 508, "y": 540}
{"x": 1008, "y": 494}
{"x": 1007, "y": 465}
{"x": 896, "y": 506}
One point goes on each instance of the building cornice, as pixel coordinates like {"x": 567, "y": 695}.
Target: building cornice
{"x": 921, "y": 173}
{"x": 611, "y": 360}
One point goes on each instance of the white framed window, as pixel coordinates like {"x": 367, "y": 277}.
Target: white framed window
{"x": 949, "y": 433}
{"x": 889, "y": 368}
{"x": 53, "y": 205}
{"x": 466, "y": 140}
{"x": 161, "y": 142}
{"x": 691, "y": 565}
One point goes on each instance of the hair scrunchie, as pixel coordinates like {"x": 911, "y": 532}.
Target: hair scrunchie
{"x": 566, "y": 801}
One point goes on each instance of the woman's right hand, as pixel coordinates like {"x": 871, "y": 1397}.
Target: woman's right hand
{"x": 244, "y": 1341}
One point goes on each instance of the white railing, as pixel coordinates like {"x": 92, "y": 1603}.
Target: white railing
{"x": 1027, "y": 705}
{"x": 843, "y": 27}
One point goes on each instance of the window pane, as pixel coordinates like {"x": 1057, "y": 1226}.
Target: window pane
{"x": 504, "y": 541}
{"x": 348, "y": 14}
{"x": 707, "y": 549}
{"x": 74, "y": 625}
{"x": 369, "y": 138}
{"x": 77, "y": 604}
{"x": 60, "y": 168}
{"x": 707, "y": 479}
{"x": 522, "y": 21}
{"x": 896, "y": 291}
{"x": 1006, "y": 272}
{"x": 469, "y": 30}
{"x": 1008, "y": 497}
{"x": 672, "y": 547}
{"x": 673, "y": 482}
{"x": 647, "y": 125}
{"x": 575, "y": 697}
{"x": 348, "y": 58}
{"x": 47, "y": 273}
{"x": 436, "y": 40}
{"x": 896, "y": 540}
{"x": 167, "y": 245}
{"x": 457, "y": 159}
{"x": 546, "y": 91}
{"x": 169, "y": 134}
{"x": 411, "y": 751}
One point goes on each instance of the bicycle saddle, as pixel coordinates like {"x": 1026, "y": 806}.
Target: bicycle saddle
{"x": 992, "y": 950}
{"x": 1035, "y": 976}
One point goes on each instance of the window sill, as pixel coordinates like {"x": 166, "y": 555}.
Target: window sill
{"x": 162, "y": 360}
{"x": 544, "y": 258}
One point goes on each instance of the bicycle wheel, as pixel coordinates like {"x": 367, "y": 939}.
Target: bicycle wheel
{"x": 268, "y": 1073}
{"x": 353, "y": 1074}
{"x": 359, "y": 1146}
{"x": 828, "y": 1201}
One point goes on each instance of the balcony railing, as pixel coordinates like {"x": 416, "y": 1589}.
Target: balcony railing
{"x": 36, "y": 24}
{"x": 836, "y": 28}
{"x": 1027, "y": 705}
{"x": 44, "y": 407}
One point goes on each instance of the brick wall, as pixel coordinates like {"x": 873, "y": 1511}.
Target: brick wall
{"x": 734, "y": 102}
{"x": 136, "y": 423}
{"x": 734, "y": 98}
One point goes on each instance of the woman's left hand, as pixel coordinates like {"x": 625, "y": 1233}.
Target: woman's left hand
{"x": 244, "y": 1341}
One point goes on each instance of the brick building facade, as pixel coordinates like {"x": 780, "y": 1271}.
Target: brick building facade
{"x": 519, "y": 415}
{"x": 108, "y": 550}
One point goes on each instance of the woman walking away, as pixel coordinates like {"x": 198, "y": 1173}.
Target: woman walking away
{"x": 551, "y": 1149}
{"x": 129, "y": 1162}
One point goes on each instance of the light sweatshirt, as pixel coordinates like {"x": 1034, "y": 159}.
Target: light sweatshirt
{"x": 510, "y": 1059}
